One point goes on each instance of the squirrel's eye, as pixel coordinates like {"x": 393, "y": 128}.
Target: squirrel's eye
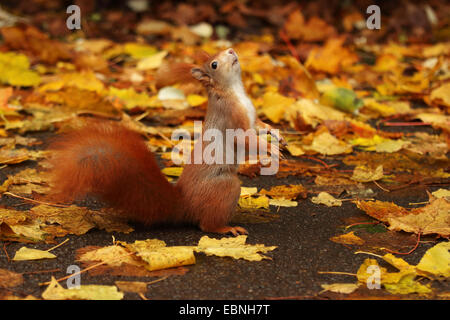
{"x": 214, "y": 65}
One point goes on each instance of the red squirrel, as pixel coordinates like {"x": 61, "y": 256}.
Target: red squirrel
{"x": 114, "y": 163}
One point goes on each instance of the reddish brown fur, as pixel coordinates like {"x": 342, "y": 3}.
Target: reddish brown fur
{"x": 176, "y": 73}
{"x": 114, "y": 163}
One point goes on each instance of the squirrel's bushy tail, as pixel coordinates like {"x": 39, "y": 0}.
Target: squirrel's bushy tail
{"x": 113, "y": 163}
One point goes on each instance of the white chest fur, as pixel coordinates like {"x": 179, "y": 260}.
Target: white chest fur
{"x": 242, "y": 97}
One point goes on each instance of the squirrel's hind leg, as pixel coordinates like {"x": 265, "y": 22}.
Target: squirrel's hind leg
{"x": 219, "y": 204}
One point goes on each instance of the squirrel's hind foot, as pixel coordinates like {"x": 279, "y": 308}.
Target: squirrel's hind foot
{"x": 235, "y": 231}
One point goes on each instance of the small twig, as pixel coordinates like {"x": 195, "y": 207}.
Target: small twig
{"x": 42, "y": 271}
{"x": 6, "y": 252}
{"x": 337, "y": 272}
{"x": 35, "y": 201}
{"x": 406, "y": 124}
{"x": 141, "y": 116}
{"x": 317, "y": 160}
{"x": 410, "y": 251}
{"x": 359, "y": 223}
{"x": 416, "y": 203}
{"x": 157, "y": 280}
{"x": 379, "y": 186}
{"x": 48, "y": 250}
{"x": 369, "y": 253}
{"x": 291, "y": 48}
{"x": 87, "y": 269}
{"x": 142, "y": 296}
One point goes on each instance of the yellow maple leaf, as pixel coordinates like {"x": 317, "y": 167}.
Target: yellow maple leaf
{"x": 25, "y": 253}
{"x": 86, "y": 80}
{"x": 15, "y": 70}
{"x": 327, "y": 144}
{"x": 233, "y": 247}
{"x": 348, "y": 238}
{"x": 436, "y": 261}
{"x": 55, "y": 291}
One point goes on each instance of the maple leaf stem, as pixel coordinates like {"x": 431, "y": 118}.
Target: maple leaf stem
{"x": 410, "y": 251}
{"x": 318, "y": 160}
{"x": 337, "y": 272}
{"x": 35, "y": 201}
{"x": 289, "y": 45}
{"x": 359, "y": 223}
{"x": 406, "y": 124}
{"x": 379, "y": 186}
{"x": 87, "y": 269}
{"x": 6, "y": 252}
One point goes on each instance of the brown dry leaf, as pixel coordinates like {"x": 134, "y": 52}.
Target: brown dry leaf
{"x": 11, "y": 217}
{"x": 132, "y": 286}
{"x": 288, "y": 192}
{"x": 315, "y": 29}
{"x": 26, "y": 182}
{"x": 441, "y": 95}
{"x": 77, "y": 220}
{"x": 428, "y": 145}
{"x": 82, "y": 101}
{"x": 111, "y": 256}
{"x": 29, "y": 38}
{"x": 10, "y": 279}
{"x": 327, "y": 144}
{"x": 433, "y": 218}
{"x": 331, "y": 58}
{"x": 364, "y": 174}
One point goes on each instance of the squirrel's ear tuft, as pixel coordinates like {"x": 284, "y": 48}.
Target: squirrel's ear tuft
{"x": 200, "y": 75}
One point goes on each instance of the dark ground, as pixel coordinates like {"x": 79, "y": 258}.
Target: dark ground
{"x": 301, "y": 234}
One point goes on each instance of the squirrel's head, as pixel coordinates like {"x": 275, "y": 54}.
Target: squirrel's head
{"x": 220, "y": 70}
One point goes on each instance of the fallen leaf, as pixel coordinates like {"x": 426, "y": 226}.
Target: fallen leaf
{"x": 436, "y": 261}
{"x": 282, "y": 202}
{"x": 348, "y": 238}
{"x": 327, "y": 144}
{"x": 132, "y": 286}
{"x": 25, "y": 253}
{"x": 233, "y": 247}
{"x": 55, "y": 291}
{"x": 441, "y": 193}
{"x": 344, "y": 288}
{"x": 254, "y": 203}
{"x": 157, "y": 256}
{"x": 432, "y": 218}
{"x": 326, "y": 199}
{"x": 289, "y": 192}
{"x": 15, "y": 70}
{"x": 364, "y": 174}
{"x": 441, "y": 95}
{"x": 152, "y": 62}
{"x": 342, "y": 98}
{"x": 10, "y": 279}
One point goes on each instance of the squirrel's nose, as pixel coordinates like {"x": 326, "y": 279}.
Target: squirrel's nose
{"x": 231, "y": 51}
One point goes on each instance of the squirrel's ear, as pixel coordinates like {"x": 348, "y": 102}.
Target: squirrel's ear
{"x": 200, "y": 75}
